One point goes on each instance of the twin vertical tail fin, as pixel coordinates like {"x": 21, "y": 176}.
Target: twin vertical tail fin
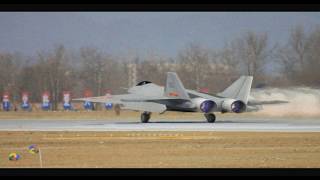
{"x": 174, "y": 87}
{"x": 239, "y": 90}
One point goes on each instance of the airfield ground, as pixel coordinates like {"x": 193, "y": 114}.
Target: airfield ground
{"x": 94, "y": 115}
{"x": 162, "y": 149}
{"x": 125, "y": 115}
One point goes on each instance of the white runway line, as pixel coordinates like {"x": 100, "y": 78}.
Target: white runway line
{"x": 40, "y": 158}
{"x": 250, "y": 124}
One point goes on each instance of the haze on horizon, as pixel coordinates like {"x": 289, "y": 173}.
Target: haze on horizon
{"x": 164, "y": 33}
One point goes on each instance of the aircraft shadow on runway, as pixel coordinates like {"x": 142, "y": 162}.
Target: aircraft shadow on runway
{"x": 174, "y": 122}
{"x": 201, "y": 122}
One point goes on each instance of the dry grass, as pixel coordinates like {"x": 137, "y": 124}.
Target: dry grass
{"x": 163, "y": 149}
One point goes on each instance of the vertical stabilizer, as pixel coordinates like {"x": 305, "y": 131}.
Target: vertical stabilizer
{"x": 174, "y": 87}
{"x": 239, "y": 90}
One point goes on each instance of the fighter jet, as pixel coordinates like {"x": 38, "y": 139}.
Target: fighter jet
{"x": 148, "y": 98}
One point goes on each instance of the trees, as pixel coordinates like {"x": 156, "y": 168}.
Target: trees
{"x": 227, "y": 66}
{"x": 299, "y": 57}
{"x": 100, "y": 72}
{"x": 197, "y": 66}
{"x": 194, "y": 67}
{"x": 58, "y": 73}
{"x": 310, "y": 73}
{"x": 93, "y": 69}
{"x": 253, "y": 53}
{"x": 246, "y": 55}
{"x": 9, "y": 70}
{"x": 292, "y": 55}
{"x": 154, "y": 69}
{"x": 31, "y": 80}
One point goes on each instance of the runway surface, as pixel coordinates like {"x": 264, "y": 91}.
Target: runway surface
{"x": 225, "y": 124}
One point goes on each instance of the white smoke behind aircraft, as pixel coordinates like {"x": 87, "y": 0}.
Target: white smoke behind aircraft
{"x": 303, "y": 101}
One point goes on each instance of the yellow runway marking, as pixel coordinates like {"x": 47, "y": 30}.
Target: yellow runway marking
{"x": 132, "y": 137}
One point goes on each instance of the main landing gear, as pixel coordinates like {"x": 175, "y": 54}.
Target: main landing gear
{"x": 211, "y": 118}
{"x": 145, "y": 116}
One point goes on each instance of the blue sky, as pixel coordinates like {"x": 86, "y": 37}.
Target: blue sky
{"x": 164, "y": 33}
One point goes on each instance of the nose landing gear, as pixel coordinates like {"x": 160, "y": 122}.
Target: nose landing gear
{"x": 145, "y": 116}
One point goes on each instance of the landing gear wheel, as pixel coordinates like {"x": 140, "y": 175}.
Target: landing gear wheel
{"x": 211, "y": 118}
{"x": 145, "y": 116}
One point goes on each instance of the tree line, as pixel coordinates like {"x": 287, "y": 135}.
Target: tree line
{"x": 294, "y": 63}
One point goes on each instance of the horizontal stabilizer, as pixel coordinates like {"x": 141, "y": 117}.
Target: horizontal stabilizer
{"x": 273, "y": 102}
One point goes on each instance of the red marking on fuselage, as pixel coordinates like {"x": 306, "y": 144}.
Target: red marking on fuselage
{"x": 173, "y": 94}
{"x": 108, "y": 96}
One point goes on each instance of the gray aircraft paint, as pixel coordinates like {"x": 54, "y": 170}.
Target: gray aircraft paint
{"x": 149, "y": 97}
{"x": 173, "y": 95}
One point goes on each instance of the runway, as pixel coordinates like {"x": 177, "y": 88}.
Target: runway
{"x": 225, "y": 124}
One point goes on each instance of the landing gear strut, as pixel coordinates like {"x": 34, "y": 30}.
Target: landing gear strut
{"x": 211, "y": 118}
{"x": 145, "y": 116}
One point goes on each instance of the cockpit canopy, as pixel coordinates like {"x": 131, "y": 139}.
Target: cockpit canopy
{"x": 143, "y": 83}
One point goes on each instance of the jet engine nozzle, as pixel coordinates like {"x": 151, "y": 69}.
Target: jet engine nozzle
{"x": 207, "y": 106}
{"x": 231, "y": 105}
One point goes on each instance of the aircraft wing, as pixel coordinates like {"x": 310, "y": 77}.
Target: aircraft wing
{"x": 131, "y": 102}
{"x": 117, "y": 99}
{"x": 144, "y": 106}
{"x": 101, "y": 99}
